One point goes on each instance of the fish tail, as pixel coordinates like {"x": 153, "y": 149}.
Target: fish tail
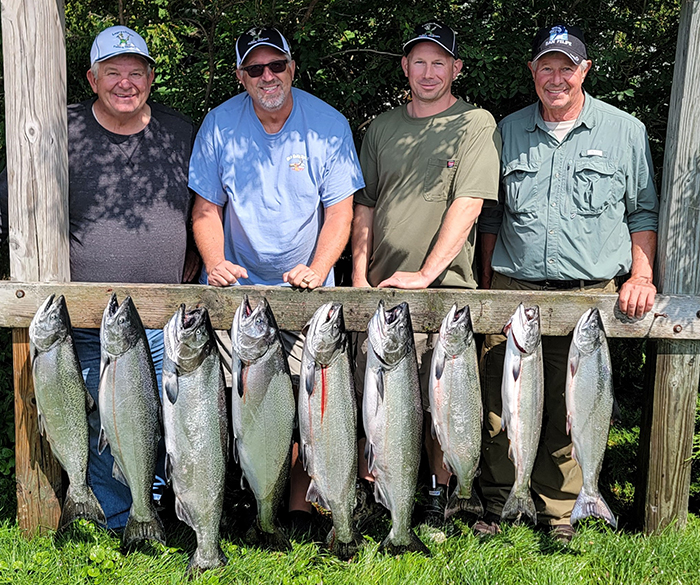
{"x": 592, "y": 505}
{"x": 414, "y": 544}
{"x": 519, "y": 503}
{"x": 81, "y": 503}
{"x": 136, "y": 531}
{"x": 275, "y": 540}
{"x": 344, "y": 550}
{"x": 201, "y": 562}
{"x": 470, "y": 504}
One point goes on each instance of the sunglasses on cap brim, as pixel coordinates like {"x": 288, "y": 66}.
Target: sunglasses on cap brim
{"x": 274, "y": 66}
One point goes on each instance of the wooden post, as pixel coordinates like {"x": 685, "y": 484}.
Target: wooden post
{"x": 669, "y": 436}
{"x": 34, "y": 57}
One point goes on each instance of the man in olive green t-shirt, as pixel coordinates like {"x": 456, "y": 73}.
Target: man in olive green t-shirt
{"x": 428, "y": 167}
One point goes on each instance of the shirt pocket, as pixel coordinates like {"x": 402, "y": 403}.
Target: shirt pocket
{"x": 594, "y": 185}
{"x": 520, "y": 185}
{"x": 438, "y": 178}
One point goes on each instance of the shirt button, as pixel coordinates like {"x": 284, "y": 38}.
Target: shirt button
{"x": 551, "y": 231}
{"x": 557, "y": 175}
{"x": 551, "y": 260}
{"x": 573, "y": 215}
{"x": 554, "y": 204}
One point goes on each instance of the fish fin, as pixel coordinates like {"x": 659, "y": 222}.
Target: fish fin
{"x": 86, "y": 506}
{"x": 470, "y": 505}
{"x": 568, "y": 423}
{"x": 592, "y": 505}
{"x": 434, "y": 432}
{"x": 574, "y": 455}
{"x": 304, "y": 455}
{"x": 573, "y": 363}
{"x": 136, "y": 531}
{"x": 104, "y": 362}
{"x": 90, "y": 404}
{"x": 439, "y": 365}
{"x": 182, "y": 512}
{"x": 369, "y": 455}
{"x": 170, "y": 385}
{"x": 237, "y": 375}
{"x": 446, "y": 465}
{"x": 344, "y": 550}
{"x": 380, "y": 497}
{"x": 102, "y": 441}
{"x": 518, "y": 504}
{"x": 313, "y": 494}
{"x": 118, "y": 474}
{"x": 380, "y": 382}
{"x": 517, "y": 366}
{"x": 415, "y": 544}
{"x": 310, "y": 377}
{"x": 275, "y": 540}
{"x": 235, "y": 449}
{"x": 168, "y": 468}
{"x": 40, "y": 423}
{"x": 200, "y": 563}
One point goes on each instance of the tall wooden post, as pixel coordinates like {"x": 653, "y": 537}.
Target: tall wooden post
{"x": 34, "y": 57}
{"x": 677, "y": 373}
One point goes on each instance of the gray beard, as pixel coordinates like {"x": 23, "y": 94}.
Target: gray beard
{"x": 272, "y": 103}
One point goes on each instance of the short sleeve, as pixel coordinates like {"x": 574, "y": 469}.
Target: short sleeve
{"x": 479, "y": 168}
{"x": 204, "y": 175}
{"x": 368, "y": 162}
{"x": 342, "y": 175}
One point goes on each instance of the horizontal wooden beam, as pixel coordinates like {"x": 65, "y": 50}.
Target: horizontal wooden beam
{"x": 673, "y": 316}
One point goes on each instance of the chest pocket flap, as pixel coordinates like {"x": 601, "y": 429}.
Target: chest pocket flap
{"x": 594, "y": 184}
{"x": 520, "y": 185}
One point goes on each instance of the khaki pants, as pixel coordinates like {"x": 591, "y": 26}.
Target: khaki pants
{"x": 556, "y": 477}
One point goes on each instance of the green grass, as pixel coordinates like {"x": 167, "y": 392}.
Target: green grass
{"x": 519, "y": 555}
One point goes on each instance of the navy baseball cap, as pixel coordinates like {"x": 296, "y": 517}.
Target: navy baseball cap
{"x": 562, "y": 38}
{"x": 118, "y": 40}
{"x": 435, "y": 32}
{"x": 258, "y": 37}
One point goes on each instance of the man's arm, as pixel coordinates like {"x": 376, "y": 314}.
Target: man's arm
{"x": 208, "y": 228}
{"x": 488, "y": 243}
{"x": 362, "y": 237}
{"x": 458, "y": 222}
{"x": 335, "y": 232}
{"x": 637, "y": 294}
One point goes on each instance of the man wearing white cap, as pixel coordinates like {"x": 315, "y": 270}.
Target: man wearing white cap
{"x": 274, "y": 169}
{"x": 129, "y": 206}
{"x": 429, "y": 166}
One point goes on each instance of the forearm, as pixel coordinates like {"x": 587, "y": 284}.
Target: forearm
{"x": 333, "y": 237}
{"x": 643, "y": 254}
{"x": 208, "y": 230}
{"x": 362, "y": 240}
{"x": 488, "y": 243}
{"x": 459, "y": 221}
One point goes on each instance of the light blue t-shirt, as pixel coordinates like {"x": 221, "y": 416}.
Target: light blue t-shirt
{"x": 274, "y": 187}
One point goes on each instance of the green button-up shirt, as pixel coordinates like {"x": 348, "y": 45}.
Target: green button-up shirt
{"x": 568, "y": 208}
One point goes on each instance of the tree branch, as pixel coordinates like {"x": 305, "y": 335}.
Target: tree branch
{"x": 361, "y": 51}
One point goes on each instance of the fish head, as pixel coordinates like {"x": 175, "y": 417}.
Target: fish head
{"x": 456, "y": 332}
{"x": 589, "y": 334}
{"x": 51, "y": 323}
{"x": 121, "y": 326}
{"x": 189, "y": 336}
{"x": 254, "y": 331}
{"x": 524, "y": 327}
{"x": 390, "y": 333}
{"x": 326, "y": 333}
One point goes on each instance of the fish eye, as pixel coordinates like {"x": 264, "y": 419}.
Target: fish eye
{"x": 121, "y": 320}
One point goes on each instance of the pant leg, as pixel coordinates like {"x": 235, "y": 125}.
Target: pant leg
{"x": 114, "y": 497}
{"x": 157, "y": 347}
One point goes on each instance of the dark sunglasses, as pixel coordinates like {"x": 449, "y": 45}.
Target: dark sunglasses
{"x": 274, "y": 66}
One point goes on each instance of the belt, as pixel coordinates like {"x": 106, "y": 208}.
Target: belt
{"x": 563, "y": 284}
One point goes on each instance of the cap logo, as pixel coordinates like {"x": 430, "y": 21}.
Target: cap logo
{"x": 558, "y": 35}
{"x": 256, "y": 33}
{"x": 124, "y": 39}
{"x": 430, "y": 29}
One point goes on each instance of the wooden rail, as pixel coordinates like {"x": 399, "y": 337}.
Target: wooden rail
{"x": 673, "y": 317}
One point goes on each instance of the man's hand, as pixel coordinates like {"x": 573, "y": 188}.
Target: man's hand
{"x": 407, "y": 280}
{"x": 225, "y": 273}
{"x": 302, "y": 276}
{"x": 637, "y": 296}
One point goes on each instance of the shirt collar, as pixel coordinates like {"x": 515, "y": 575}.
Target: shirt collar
{"x": 587, "y": 117}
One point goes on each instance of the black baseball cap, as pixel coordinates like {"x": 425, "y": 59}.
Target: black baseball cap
{"x": 435, "y": 32}
{"x": 257, "y": 37}
{"x": 562, "y": 38}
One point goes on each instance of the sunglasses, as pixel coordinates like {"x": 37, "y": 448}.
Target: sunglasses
{"x": 274, "y": 66}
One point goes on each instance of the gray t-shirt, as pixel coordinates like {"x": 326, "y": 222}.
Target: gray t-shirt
{"x": 129, "y": 201}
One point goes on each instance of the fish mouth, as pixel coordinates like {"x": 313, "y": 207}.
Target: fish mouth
{"x": 393, "y": 315}
{"x": 112, "y": 306}
{"x": 191, "y": 319}
{"x": 47, "y": 305}
{"x": 245, "y": 306}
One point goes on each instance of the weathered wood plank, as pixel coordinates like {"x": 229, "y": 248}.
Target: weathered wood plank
{"x": 38, "y": 474}
{"x": 673, "y": 317}
{"x": 37, "y": 172}
{"x": 664, "y": 497}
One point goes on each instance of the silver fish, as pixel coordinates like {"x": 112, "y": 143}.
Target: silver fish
{"x": 196, "y": 429}
{"x": 62, "y": 402}
{"x": 393, "y": 417}
{"x": 455, "y": 407}
{"x": 328, "y": 424}
{"x": 130, "y": 414}
{"x": 263, "y": 411}
{"x": 589, "y": 405}
{"x": 522, "y": 395}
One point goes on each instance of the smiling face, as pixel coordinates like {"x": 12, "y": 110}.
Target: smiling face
{"x": 430, "y": 71}
{"x": 558, "y": 83}
{"x": 122, "y": 86}
{"x": 271, "y": 92}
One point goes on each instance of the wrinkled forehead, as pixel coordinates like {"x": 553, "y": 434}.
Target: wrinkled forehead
{"x": 554, "y": 58}
{"x": 264, "y": 54}
{"x": 126, "y": 61}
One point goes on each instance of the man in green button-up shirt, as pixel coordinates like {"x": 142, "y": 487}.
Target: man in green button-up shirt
{"x": 578, "y": 209}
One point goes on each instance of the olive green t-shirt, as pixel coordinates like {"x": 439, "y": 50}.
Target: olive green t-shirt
{"x": 414, "y": 168}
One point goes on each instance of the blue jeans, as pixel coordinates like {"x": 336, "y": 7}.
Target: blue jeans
{"x": 113, "y": 495}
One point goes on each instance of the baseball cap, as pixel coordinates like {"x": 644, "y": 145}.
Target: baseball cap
{"x": 563, "y": 38}
{"x": 435, "y": 32}
{"x": 257, "y": 37}
{"x": 118, "y": 40}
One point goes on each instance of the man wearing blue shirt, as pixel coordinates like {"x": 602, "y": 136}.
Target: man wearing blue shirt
{"x": 274, "y": 170}
{"x": 579, "y": 209}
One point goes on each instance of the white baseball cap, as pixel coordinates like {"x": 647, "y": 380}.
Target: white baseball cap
{"x": 118, "y": 40}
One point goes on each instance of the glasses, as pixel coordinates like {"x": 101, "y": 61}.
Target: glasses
{"x": 274, "y": 66}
